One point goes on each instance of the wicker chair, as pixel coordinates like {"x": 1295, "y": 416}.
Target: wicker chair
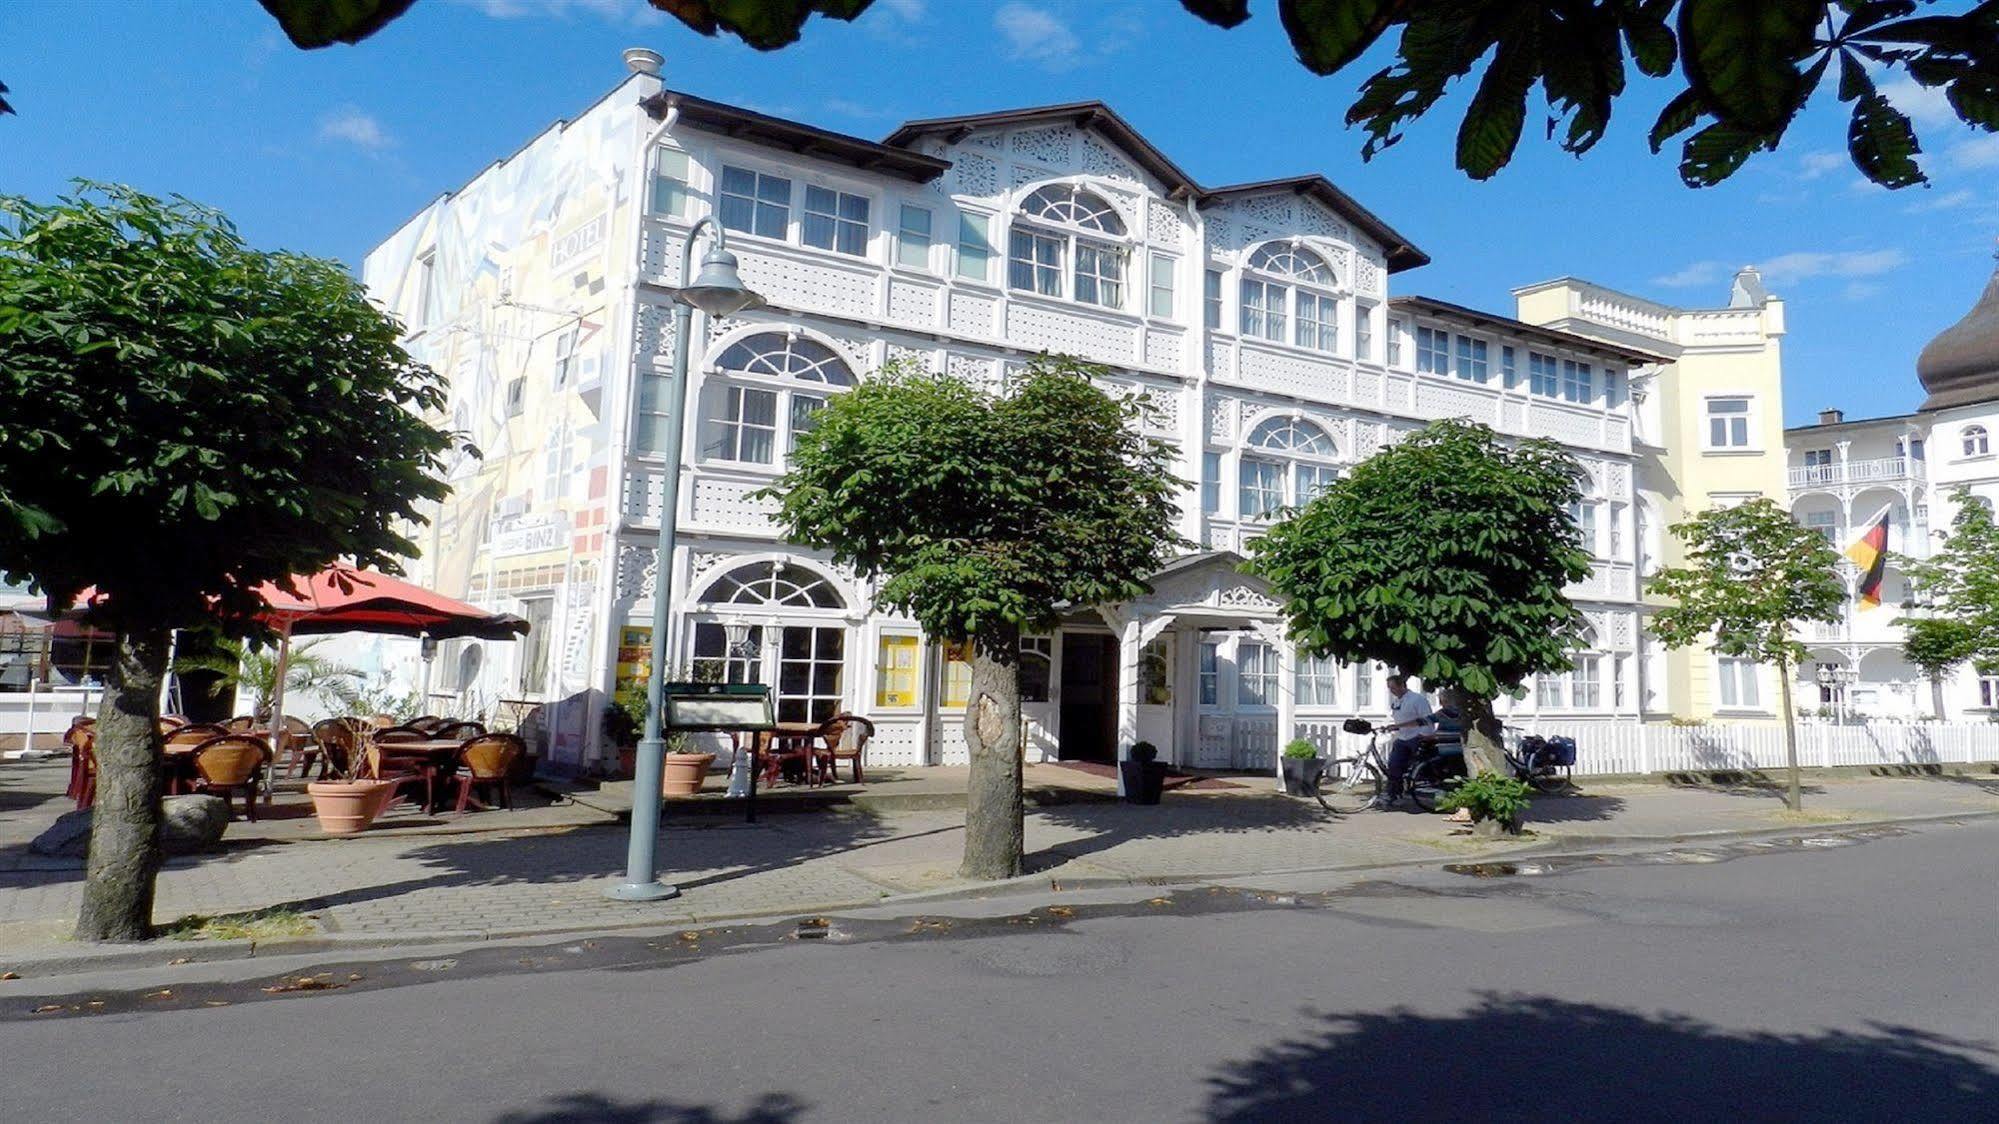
{"x": 404, "y": 769}
{"x": 428, "y": 723}
{"x": 241, "y": 724}
{"x": 81, "y": 738}
{"x": 843, "y": 737}
{"x": 194, "y": 733}
{"x": 180, "y": 766}
{"x": 230, "y": 764}
{"x": 333, "y": 744}
{"x": 459, "y": 730}
{"x": 295, "y": 745}
{"x": 485, "y": 762}
{"x": 171, "y": 722}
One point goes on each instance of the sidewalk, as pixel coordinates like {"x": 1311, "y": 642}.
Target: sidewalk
{"x": 550, "y": 877}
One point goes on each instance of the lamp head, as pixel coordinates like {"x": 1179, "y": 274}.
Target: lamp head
{"x": 717, "y": 290}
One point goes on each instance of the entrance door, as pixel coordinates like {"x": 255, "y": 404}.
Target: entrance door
{"x": 1089, "y": 698}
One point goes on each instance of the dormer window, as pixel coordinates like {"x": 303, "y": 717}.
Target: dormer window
{"x": 1068, "y": 242}
{"x": 1286, "y": 297}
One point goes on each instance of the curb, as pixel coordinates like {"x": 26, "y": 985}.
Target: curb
{"x": 114, "y": 958}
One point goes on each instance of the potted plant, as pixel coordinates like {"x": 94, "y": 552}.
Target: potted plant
{"x": 1302, "y": 766}
{"x": 1144, "y": 777}
{"x": 347, "y": 804}
{"x": 1496, "y": 803}
{"x": 624, "y": 717}
{"x": 685, "y": 770}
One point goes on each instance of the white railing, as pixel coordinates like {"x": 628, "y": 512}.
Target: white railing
{"x": 1875, "y": 471}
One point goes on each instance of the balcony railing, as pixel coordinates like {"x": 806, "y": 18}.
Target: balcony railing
{"x": 1881, "y": 470}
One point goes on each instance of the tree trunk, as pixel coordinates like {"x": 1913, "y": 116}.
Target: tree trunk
{"x": 1483, "y": 753}
{"x": 125, "y": 826}
{"x": 1797, "y": 788}
{"x": 994, "y": 832}
{"x": 1936, "y": 694}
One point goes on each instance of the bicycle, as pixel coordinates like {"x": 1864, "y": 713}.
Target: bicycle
{"x": 1348, "y": 784}
{"x": 1542, "y": 763}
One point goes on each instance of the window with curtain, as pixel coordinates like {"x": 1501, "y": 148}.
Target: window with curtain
{"x": 1736, "y": 682}
{"x": 766, "y": 390}
{"x": 1318, "y": 681}
{"x": 835, "y": 220}
{"x": 755, "y": 202}
{"x": 1286, "y": 294}
{"x": 1256, "y": 674}
{"x": 1286, "y": 461}
{"x": 1211, "y": 673}
{"x": 1071, "y": 236}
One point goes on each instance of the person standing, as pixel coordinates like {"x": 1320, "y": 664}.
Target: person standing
{"x": 1410, "y": 716}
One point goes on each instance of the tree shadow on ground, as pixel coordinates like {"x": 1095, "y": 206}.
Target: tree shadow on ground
{"x": 1597, "y": 1062}
{"x": 771, "y": 1108}
{"x": 1111, "y": 825}
{"x": 1573, "y": 807}
{"x": 1754, "y": 785}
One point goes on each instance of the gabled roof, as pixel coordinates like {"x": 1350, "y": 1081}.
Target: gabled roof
{"x": 1082, "y": 114}
{"x": 1402, "y": 254}
{"x": 807, "y": 140}
{"x": 1446, "y": 310}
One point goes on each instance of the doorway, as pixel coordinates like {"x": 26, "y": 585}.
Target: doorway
{"x": 1089, "y": 698}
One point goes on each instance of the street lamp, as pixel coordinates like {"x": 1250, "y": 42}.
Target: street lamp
{"x": 717, "y": 291}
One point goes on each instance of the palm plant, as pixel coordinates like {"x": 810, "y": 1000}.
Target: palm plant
{"x": 254, "y": 671}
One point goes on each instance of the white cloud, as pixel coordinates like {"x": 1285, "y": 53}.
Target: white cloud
{"x": 1981, "y": 151}
{"x": 1925, "y": 105}
{"x": 1791, "y": 268}
{"x": 1812, "y": 165}
{"x": 1037, "y": 36}
{"x": 350, "y": 125}
{"x": 634, "y": 13}
{"x": 1947, "y": 201}
{"x": 904, "y": 9}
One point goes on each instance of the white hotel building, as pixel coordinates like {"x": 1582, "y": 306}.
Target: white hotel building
{"x": 1259, "y": 318}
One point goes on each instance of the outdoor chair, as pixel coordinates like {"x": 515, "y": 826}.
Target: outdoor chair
{"x": 81, "y": 738}
{"x": 427, "y": 723}
{"x": 332, "y": 745}
{"x": 403, "y": 769}
{"x": 294, "y": 744}
{"x": 180, "y": 765}
{"x": 194, "y": 733}
{"x": 230, "y": 764}
{"x": 409, "y": 732}
{"x": 843, "y": 737}
{"x": 241, "y": 724}
{"x": 486, "y": 762}
{"x": 171, "y": 722}
{"x": 785, "y": 750}
{"x": 459, "y": 730}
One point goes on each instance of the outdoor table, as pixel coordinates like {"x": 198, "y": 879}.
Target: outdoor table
{"x": 440, "y": 753}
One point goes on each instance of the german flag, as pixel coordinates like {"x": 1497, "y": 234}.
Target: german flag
{"x": 1870, "y": 553}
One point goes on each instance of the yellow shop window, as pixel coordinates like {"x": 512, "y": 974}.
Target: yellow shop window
{"x": 958, "y": 673}
{"x": 895, "y": 672}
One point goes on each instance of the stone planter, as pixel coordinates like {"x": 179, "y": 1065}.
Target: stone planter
{"x": 1301, "y": 775}
{"x": 347, "y": 807}
{"x": 685, "y": 773}
{"x": 1144, "y": 781}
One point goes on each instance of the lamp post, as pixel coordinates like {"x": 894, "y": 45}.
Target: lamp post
{"x": 717, "y": 291}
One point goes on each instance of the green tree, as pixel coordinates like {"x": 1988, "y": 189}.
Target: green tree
{"x": 187, "y": 418}
{"x": 980, "y": 514}
{"x": 1751, "y": 576}
{"x": 254, "y": 671}
{"x": 1742, "y": 71}
{"x": 1937, "y": 645}
{"x": 1958, "y": 586}
{"x": 1445, "y": 556}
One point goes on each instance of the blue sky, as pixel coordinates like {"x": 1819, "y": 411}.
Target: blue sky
{"x": 327, "y": 151}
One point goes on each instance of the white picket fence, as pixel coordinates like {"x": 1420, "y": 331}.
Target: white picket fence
{"x": 1629, "y": 747}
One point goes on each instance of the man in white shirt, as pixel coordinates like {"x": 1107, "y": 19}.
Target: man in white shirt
{"x": 1410, "y": 716}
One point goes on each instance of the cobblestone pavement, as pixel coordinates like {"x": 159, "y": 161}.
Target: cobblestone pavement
{"x": 496, "y": 883}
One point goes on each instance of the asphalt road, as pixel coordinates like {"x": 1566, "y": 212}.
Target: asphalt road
{"x": 1847, "y": 979}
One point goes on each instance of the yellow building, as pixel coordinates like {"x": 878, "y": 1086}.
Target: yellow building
{"x": 1709, "y": 430}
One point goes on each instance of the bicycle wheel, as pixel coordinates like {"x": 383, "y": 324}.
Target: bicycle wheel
{"x": 1544, "y": 777}
{"x": 1348, "y": 784}
{"x": 1427, "y": 783}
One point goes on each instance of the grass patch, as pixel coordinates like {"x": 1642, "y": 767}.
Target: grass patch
{"x": 1810, "y": 817}
{"x": 256, "y": 925}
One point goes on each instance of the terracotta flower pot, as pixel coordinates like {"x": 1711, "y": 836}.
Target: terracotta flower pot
{"x": 685, "y": 773}
{"x": 347, "y": 807}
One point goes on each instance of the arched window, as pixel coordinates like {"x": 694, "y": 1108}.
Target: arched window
{"x": 1062, "y": 245}
{"x": 774, "y": 584}
{"x": 1977, "y": 442}
{"x": 780, "y": 640}
{"x": 1285, "y": 462}
{"x": 753, "y": 405}
{"x": 1285, "y": 297}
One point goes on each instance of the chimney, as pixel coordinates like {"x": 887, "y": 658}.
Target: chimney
{"x": 643, "y": 60}
{"x": 1831, "y": 417}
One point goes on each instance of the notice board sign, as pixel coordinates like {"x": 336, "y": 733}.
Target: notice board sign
{"x": 717, "y": 706}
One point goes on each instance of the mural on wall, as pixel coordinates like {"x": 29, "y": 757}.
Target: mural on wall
{"x": 509, "y": 288}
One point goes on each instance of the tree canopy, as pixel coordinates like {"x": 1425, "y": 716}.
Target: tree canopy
{"x": 982, "y": 512}
{"x": 1751, "y": 576}
{"x": 1743, "y": 71}
{"x": 1444, "y": 555}
{"x": 1959, "y": 582}
{"x": 187, "y": 418}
